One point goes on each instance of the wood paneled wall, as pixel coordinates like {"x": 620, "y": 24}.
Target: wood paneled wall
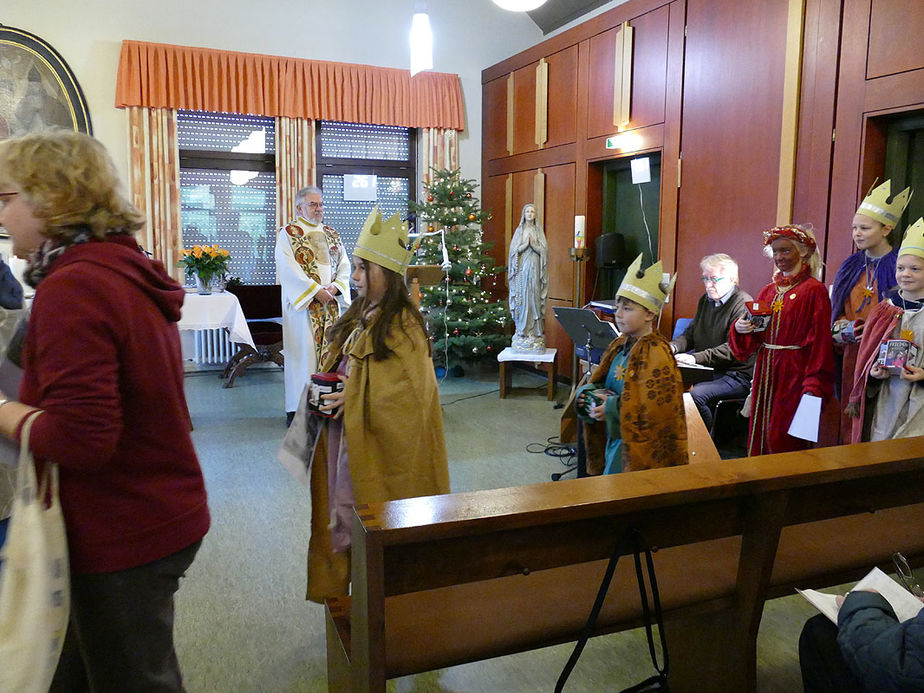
{"x": 881, "y": 73}
{"x": 708, "y": 95}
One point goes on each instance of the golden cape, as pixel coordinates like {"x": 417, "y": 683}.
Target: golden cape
{"x": 652, "y": 422}
{"x": 395, "y": 445}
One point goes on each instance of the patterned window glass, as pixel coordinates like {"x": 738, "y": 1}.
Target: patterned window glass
{"x": 239, "y": 217}
{"x": 348, "y": 216}
{"x": 228, "y": 189}
{"x": 358, "y": 141}
{"x": 224, "y": 132}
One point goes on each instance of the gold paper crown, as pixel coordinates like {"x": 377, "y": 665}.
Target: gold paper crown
{"x": 385, "y": 242}
{"x": 913, "y": 243}
{"x": 875, "y": 207}
{"x": 645, "y": 290}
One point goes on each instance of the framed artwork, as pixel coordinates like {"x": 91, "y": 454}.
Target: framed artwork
{"x": 37, "y": 91}
{"x": 37, "y": 88}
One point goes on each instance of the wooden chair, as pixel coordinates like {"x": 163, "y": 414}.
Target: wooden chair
{"x": 262, "y": 306}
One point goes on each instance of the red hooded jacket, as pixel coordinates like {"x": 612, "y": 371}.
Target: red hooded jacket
{"x": 102, "y": 359}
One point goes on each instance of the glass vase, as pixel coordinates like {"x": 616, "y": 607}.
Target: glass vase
{"x": 203, "y": 286}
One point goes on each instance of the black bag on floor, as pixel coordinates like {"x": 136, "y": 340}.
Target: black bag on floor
{"x": 631, "y": 539}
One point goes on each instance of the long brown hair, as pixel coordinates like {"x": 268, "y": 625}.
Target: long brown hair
{"x": 394, "y": 304}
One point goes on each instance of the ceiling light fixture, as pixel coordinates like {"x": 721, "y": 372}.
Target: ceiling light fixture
{"x": 421, "y": 39}
{"x": 519, "y": 5}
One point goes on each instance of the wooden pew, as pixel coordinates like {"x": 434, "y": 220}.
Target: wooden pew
{"x": 445, "y": 580}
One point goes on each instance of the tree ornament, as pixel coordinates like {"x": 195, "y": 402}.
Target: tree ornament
{"x": 471, "y": 217}
{"x": 456, "y": 331}
{"x": 451, "y": 194}
{"x": 468, "y": 271}
{"x": 431, "y": 227}
{"x": 468, "y": 196}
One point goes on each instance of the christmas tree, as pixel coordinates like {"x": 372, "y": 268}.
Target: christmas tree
{"x": 465, "y": 322}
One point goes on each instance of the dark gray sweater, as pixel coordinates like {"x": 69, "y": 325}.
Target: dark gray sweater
{"x": 707, "y": 335}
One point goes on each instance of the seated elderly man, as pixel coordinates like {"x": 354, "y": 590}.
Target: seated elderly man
{"x": 706, "y": 338}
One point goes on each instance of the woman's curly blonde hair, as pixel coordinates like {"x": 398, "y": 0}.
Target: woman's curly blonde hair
{"x": 71, "y": 183}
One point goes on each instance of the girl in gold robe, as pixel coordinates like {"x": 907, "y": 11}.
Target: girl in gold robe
{"x": 385, "y": 440}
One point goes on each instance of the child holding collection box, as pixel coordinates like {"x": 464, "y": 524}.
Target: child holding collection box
{"x": 633, "y": 406}
{"x": 887, "y": 400}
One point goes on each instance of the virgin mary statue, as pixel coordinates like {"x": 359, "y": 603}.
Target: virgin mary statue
{"x": 528, "y": 280}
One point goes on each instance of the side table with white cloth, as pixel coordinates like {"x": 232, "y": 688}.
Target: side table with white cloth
{"x": 547, "y": 360}
{"x": 210, "y": 325}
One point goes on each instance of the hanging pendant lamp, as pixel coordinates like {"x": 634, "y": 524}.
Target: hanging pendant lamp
{"x": 519, "y": 5}
{"x": 421, "y": 39}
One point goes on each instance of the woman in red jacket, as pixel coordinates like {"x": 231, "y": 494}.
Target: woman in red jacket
{"x": 102, "y": 363}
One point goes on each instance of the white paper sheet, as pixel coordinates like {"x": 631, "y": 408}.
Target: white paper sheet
{"x": 904, "y": 604}
{"x": 805, "y": 421}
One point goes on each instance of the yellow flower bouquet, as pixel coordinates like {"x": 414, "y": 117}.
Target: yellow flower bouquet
{"x": 205, "y": 262}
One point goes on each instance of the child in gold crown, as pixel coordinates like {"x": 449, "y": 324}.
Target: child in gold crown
{"x": 865, "y": 279}
{"x": 385, "y": 441}
{"x": 887, "y": 405}
{"x": 636, "y": 421}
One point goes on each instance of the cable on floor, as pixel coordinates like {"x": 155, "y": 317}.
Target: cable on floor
{"x": 553, "y": 447}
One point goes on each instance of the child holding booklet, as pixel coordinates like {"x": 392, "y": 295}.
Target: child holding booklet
{"x": 889, "y": 403}
{"x": 633, "y": 406}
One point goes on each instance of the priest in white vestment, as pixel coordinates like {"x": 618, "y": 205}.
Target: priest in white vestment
{"x": 314, "y": 272}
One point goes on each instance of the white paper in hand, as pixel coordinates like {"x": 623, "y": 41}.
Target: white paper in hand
{"x": 805, "y": 421}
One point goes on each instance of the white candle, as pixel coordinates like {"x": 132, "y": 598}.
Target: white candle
{"x": 579, "y": 228}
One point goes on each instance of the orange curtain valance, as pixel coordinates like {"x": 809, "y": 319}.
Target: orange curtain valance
{"x": 157, "y": 75}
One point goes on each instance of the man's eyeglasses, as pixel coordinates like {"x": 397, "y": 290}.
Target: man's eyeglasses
{"x": 5, "y": 196}
{"x": 905, "y": 575}
{"x": 314, "y": 205}
{"x": 711, "y": 280}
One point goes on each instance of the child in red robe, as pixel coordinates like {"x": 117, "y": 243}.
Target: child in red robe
{"x": 794, "y": 353}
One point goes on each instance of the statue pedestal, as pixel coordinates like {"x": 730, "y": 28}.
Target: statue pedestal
{"x": 546, "y": 360}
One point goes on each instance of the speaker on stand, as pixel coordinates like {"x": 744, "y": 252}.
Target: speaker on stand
{"x": 610, "y": 256}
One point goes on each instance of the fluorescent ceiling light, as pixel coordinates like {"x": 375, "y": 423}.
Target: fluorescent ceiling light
{"x": 519, "y": 5}
{"x": 421, "y": 39}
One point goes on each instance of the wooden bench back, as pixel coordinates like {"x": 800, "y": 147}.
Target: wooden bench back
{"x": 450, "y": 579}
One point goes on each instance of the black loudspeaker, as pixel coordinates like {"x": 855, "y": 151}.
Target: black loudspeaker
{"x": 611, "y": 248}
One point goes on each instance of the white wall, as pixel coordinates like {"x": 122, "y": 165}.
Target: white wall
{"x": 470, "y": 35}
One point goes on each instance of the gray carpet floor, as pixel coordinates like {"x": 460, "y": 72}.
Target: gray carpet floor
{"x": 242, "y": 622}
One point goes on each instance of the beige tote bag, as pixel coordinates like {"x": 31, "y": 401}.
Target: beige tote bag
{"x": 34, "y": 580}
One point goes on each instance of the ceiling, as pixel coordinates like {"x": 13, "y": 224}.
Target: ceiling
{"x": 557, "y": 13}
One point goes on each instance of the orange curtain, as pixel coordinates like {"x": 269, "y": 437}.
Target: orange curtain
{"x": 295, "y": 163}
{"x": 440, "y": 149}
{"x": 155, "y": 182}
{"x": 157, "y": 75}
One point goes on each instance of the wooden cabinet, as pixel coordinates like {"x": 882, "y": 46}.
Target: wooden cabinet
{"x": 895, "y": 31}
{"x": 562, "y": 100}
{"x": 649, "y": 74}
{"x": 494, "y": 119}
{"x": 731, "y": 139}
{"x": 543, "y": 98}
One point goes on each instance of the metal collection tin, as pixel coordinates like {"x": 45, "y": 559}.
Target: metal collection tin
{"x": 322, "y": 384}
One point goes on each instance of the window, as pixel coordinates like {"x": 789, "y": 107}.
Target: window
{"x": 228, "y": 188}
{"x": 361, "y": 166}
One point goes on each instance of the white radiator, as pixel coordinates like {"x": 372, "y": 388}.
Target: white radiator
{"x": 212, "y": 346}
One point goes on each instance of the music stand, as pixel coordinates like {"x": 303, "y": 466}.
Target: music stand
{"x": 586, "y": 330}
